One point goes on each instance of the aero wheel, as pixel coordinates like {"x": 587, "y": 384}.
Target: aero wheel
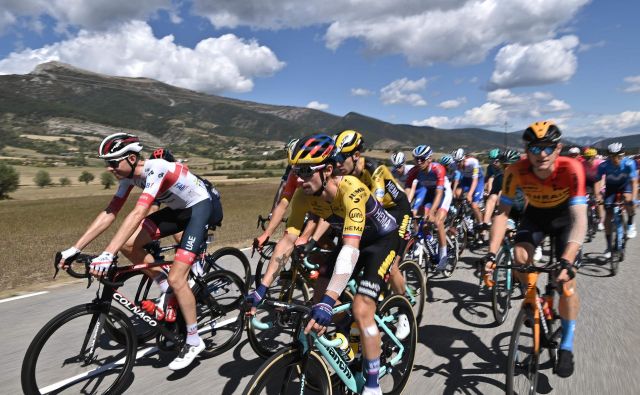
{"x": 73, "y": 354}
{"x": 523, "y": 360}
{"x": 283, "y": 374}
{"x": 231, "y": 259}
{"x": 503, "y": 287}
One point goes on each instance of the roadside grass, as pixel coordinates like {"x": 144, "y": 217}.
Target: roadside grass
{"x": 33, "y": 230}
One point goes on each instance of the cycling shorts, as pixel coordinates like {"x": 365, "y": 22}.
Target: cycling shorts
{"x": 195, "y": 221}
{"x": 465, "y": 184}
{"x": 372, "y": 268}
{"x": 611, "y": 190}
{"x": 424, "y": 198}
{"x": 536, "y": 223}
{"x": 496, "y": 187}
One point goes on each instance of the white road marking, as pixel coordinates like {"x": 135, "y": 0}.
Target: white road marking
{"x": 23, "y": 296}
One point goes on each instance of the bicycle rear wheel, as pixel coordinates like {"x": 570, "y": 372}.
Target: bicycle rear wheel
{"x": 415, "y": 283}
{"x": 397, "y": 374}
{"x": 452, "y": 256}
{"x": 60, "y": 357}
{"x": 522, "y": 361}
{"x": 503, "y": 287}
{"x": 231, "y": 259}
{"x": 219, "y": 313}
{"x": 282, "y": 374}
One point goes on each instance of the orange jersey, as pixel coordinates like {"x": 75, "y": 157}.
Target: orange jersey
{"x": 565, "y": 186}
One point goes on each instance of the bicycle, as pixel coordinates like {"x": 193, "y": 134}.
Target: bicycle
{"x": 459, "y": 221}
{"x": 593, "y": 218}
{"x": 423, "y": 247}
{"x": 106, "y": 338}
{"x": 619, "y": 237}
{"x": 304, "y": 365}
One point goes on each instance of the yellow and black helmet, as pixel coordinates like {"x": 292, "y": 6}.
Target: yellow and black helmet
{"x": 589, "y": 152}
{"x": 312, "y": 150}
{"x": 348, "y": 141}
{"x": 542, "y": 132}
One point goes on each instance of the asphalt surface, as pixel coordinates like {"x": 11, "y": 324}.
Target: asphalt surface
{"x": 460, "y": 349}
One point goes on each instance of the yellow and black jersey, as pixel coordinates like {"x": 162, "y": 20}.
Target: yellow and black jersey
{"x": 382, "y": 184}
{"x": 353, "y": 211}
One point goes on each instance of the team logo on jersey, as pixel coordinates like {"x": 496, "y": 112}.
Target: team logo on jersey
{"x": 356, "y": 215}
{"x": 160, "y": 175}
{"x": 180, "y": 186}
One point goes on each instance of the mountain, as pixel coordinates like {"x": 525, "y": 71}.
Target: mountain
{"x": 631, "y": 143}
{"x": 59, "y": 99}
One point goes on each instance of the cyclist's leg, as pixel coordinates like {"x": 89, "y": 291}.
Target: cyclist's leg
{"x": 528, "y": 236}
{"x": 629, "y": 206}
{"x": 609, "y": 198}
{"x": 401, "y": 213}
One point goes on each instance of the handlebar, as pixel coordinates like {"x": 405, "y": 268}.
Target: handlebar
{"x": 86, "y": 259}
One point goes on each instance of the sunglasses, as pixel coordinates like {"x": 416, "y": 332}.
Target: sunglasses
{"x": 306, "y": 172}
{"x": 113, "y": 163}
{"x": 422, "y": 160}
{"x": 538, "y": 149}
{"x": 342, "y": 157}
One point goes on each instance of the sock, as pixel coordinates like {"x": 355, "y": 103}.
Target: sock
{"x": 630, "y": 220}
{"x": 608, "y": 237}
{"x": 443, "y": 251}
{"x": 161, "y": 281}
{"x": 192, "y": 334}
{"x": 371, "y": 369}
{"x": 568, "y": 327}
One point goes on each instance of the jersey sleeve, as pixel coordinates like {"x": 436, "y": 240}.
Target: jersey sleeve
{"x": 378, "y": 182}
{"x": 578, "y": 184}
{"x": 120, "y": 197}
{"x": 289, "y": 187}
{"x": 411, "y": 176}
{"x": 299, "y": 207}
{"x": 440, "y": 175}
{"x": 509, "y": 183}
{"x": 602, "y": 170}
{"x": 160, "y": 175}
{"x": 633, "y": 170}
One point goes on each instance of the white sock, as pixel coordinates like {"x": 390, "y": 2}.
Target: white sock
{"x": 192, "y": 334}
{"x": 161, "y": 281}
{"x": 443, "y": 251}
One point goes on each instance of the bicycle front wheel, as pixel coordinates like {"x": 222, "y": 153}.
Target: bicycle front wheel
{"x": 398, "y": 366}
{"x": 231, "y": 259}
{"x": 452, "y": 256}
{"x": 523, "y": 360}
{"x": 283, "y": 372}
{"x": 416, "y": 287}
{"x": 73, "y": 354}
{"x": 503, "y": 287}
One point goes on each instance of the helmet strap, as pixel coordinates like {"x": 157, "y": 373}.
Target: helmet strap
{"x": 322, "y": 186}
{"x": 133, "y": 166}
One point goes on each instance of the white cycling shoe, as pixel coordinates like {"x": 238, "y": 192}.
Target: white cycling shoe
{"x": 631, "y": 232}
{"x": 186, "y": 356}
{"x": 607, "y": 253}
{"x": 371, "y": 391}
{"x": 442, "y": 264}
{"x": 600, "y": 226}
{"x": 404, "y": 328}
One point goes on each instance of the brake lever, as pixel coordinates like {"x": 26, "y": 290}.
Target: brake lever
{"x": 56, "y": 261}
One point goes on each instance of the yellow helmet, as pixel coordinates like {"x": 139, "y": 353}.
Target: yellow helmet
{"x": 543, "y": 131}
{"x": 590, "y": 152}
{"x": 348, "y": 141}
{"x": 311, "y": 150}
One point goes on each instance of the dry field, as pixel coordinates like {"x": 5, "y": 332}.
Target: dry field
{"x": 33, "y": 230}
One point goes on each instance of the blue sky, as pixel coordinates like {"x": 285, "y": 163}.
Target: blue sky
{"x": 443, "y": 63}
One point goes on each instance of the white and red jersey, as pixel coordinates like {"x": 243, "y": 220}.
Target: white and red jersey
{"x": 169, "y": 183}
{"x": 402, "y": 178}
{"x": 471, "y": 168}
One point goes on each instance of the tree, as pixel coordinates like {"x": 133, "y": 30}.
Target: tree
{"x": 65, "y": 181}
{"x": 9, "y": 179}
{"x": 86, "y": 177}
{"x": 107, "y": 179}
{"x": 42, "y": 178}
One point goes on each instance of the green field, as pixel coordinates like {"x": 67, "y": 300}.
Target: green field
{"x": 33, "y": 230}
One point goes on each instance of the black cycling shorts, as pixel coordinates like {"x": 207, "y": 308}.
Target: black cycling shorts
{"x": 536, "y": 223}
{"x": 402, "y": 214}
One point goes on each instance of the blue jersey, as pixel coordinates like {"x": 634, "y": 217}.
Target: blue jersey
{"x": 620, "y": 176}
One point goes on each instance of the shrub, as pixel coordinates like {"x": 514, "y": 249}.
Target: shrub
{"x": 42, "y": 178}
{"x": 86, "y": 177}
{"x": 9, "y": 179}
{"x": 107, "y": 179}
{"x": 65, "y": 181}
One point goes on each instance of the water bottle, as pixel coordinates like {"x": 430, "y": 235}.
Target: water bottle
{"x": 345, "y": 349}
{"x": 354, "y": 340}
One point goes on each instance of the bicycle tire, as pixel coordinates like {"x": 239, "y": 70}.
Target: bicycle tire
{"x": 394, "y": 382}
{"x": 288, "y": 361}
{"x": 522, "y": 368}
{"x": 263, "y": 262}
{"x": 416, "y": 281}
{"x": 60, "y": 345}
{"x": 502, "y": 289}
{"x": 452, "y": 256}
{"x": 219, "y": 311}
{"x": 409, "y": 250}
{"x": 226, "y": 258}
{"x": 461, "y": 235}
{"x": 266, "y": 343}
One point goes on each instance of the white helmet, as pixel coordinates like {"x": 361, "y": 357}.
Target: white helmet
{"x": 398, "y": 159}
{"x": 118, "y": 145}
{"x": 574, "y": 151}
{"x": 615, "y": 148}
{"x": 458, "y": 154}
{"x": 422, "y": 151}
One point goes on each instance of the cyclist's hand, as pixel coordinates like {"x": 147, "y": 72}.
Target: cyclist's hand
{"x": 567, "y": 272}
{"x": 469, "y": 198}
{"x": 302, "y": 251}
{"x": 66, "y": 254}
{"x": 101, "y": 264}
{"x": 488, "y": 265}
{"x": 259, "y": 241}
{"x": 321, "y": 314}
{"x": 253, "y": 299}
{"x": 302, "y": 240}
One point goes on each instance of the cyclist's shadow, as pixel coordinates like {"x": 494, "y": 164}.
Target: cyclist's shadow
{"x": 440, "y": 339}
{"x": 473, "y": 306}
{"x": 238, "y": 367}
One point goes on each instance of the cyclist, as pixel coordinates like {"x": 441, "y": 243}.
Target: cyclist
{"x": 574, "y": 152}
{"x": 433, "y": 194}
{"x": 192, "y": 206}
{"x": 620, "y": 176}
{"x": 591, "y": 164}
{"x": 491, "y": 188}
{"x": 386, "y": 190}
{"x": 557, "y": 204}
{"x": 400, "y": 168}
{"x": 472, "y": 182}
{"x": 453, "y": 174}
{"x": 369, "y": 241}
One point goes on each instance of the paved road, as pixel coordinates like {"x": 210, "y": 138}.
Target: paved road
{"x": 459, "y": 350}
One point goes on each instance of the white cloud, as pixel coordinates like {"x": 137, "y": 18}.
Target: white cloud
{"x": 402, "y": 91}
{"x": 587, "y": 47}
{"x": 458, "y": 31}
{"x": 627, "y": 121}
{"x": 225, "y": 63}
{"x": 90, "y": 15}
{"x": 541, "y": 63}
{"x": 316, "y": 105}
{"x": 557, "y": 105}
{"x": 453, "y": 103}
{"x": 360, "y": 92}
{"x": 634, "y": 84}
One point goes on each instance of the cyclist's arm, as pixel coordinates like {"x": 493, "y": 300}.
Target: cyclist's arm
{"x": 343, "y": 269}
{"x": 321, "y": 228}
{"x": 411, "y": 192}
{"x": 281, "y": 254}
{"x": 128, "y": 227}
{"x": 276, "y": 217}
{"x": 634, "y": 189}
{"x": 472, "y": 188}
{"x": 499, "y": 227}
{"x": 579, "y": 223}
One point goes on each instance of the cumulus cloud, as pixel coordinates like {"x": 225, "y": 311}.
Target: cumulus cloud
{"x": 541, "y": 63}
{"x": 627, "y": 121}
{"x": 453, "y": 103}
{"x": 316, "y": 105}
{"x": 503, "y": 105}
{"x": 215, "y": 65}
{"x": 458, "y": 31}
{"x": 634, "y": 84}
{"x": 360, "y": 92}
{"x": 402, "y": 91}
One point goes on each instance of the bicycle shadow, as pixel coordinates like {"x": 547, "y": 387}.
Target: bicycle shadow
{"x": 594, "y": 265}
{"x": 473, "y": 308}
{"x": 441, "y": 340}
{"x": 238, "y": 368}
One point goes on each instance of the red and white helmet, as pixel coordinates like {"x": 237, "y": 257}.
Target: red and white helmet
{"x": 119, "y": 145}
